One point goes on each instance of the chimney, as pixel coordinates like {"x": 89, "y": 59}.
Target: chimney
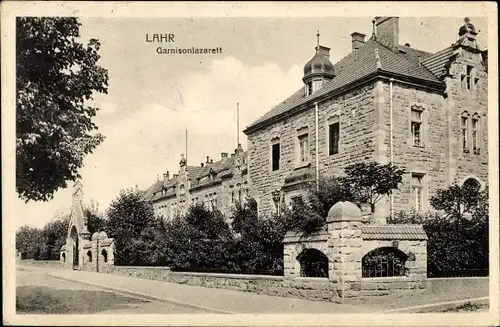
{"x": 165, "y": 176}
{"x": 202, "y": 164}
{"x": 211, "y": 160}
{"x": 208, "y": 159}
{"x": 223, "y": 155}
{"x": 175, "y": 175}
{"x": 357, "y": 40}
{"x": 324, "y": 51}
{"x": 388, "y": 32}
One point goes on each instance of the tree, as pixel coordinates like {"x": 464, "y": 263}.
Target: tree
{"x": 457, "y": 241}
{"x": 456, "y": 201}
{"x": 55, "y": 78}
{"x": 54, "y": 235}
{"x": 95, "y": 219}
{"x": 127, "y": 217}
{"x": 29, "y": 241}
{"x": 368, "y": 183}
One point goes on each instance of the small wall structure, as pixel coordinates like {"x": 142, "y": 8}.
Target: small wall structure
{"x": 98, "y": 253}
{"x": 361, "y": 259}
{"x": 346, "y": 258}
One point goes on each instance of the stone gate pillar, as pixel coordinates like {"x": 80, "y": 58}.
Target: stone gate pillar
{"x": 345, "y": 246}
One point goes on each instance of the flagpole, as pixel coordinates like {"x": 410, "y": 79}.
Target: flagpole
{"x": 238, "y": 123}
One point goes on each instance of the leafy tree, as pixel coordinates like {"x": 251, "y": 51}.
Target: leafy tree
{"x": 457, "y": 241}
{"x": 458, "y": 201}
{"x": 368, "y": 183}
{"x": 29, "y": 241}
{"x": 209, "y": 224}
{"x": 54, "y": 236}
{"x": 95, "y": 219}
{"x": 56, "y": 76}
{"x": 244, "y": 214}
{"x": 127, "y": 218}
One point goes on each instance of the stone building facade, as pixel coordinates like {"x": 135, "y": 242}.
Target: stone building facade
{"x": 384, "y": 102}
{"x": 217, "y": 184}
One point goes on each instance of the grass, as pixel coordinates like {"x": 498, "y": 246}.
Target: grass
{"x": 45, "y": 300}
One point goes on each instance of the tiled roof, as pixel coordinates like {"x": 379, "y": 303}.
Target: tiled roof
{"x": 413, "y": 54}
{"x": 353, "y": 67}
{"x": 152, "y": 190}
{"x": 436, "y": 63}
{"x": 198, "y": 176}
{"x": 393, "y": 232}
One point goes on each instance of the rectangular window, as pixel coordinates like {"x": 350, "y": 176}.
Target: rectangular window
{"x": 304, "y": 148}
{"x": 475, "y": 129}
{"x": 317, "y": 85}
{"x": 465, "y": 134}
{"x": 416, "y": 127}
{"x": 417, "y": 191}
{"x": 334, "y": 137}
{"x": 309, "y": 88}
{"x": 469, "y": 78}
{"x": 275, "y": 156}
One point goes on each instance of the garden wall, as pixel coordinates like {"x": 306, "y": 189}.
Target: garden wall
{"x": 316, "y": 289}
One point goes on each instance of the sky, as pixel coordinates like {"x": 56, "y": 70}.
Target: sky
{"x": 153, "y": 98}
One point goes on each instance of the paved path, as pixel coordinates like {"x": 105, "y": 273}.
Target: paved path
{"x": 41, "y": 293}
{"x": 202, "y": 298}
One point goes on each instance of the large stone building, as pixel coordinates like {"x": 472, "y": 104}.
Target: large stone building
{"x": 384, "y": 102}
{"x": 218, "y": 184}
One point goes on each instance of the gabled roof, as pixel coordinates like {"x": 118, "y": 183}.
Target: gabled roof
{"x": 393, "y": 232}
{"x": 413, "y": 54}
{"x": 354, "y": 67}
{"x": 199, "y": 177}
{"x": 437, "y": 62}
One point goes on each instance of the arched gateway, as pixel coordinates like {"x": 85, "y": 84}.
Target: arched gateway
{"x": 78, "y": 235}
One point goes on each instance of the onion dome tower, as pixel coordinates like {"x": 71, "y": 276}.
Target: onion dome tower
{"x": 318, "y": 70}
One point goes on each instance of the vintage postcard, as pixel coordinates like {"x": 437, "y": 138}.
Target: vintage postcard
{"x": 226, "y": 163}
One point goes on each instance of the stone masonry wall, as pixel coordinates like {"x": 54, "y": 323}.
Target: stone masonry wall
{"x": 475, "y": 101}
{"x": 318, "y": 289}
{"x": 357, "y": 124}
{"x": 430, "y": 159}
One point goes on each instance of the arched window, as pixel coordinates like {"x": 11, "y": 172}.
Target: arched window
{"x": 313, "y": 263}
{"x": 64, "y": 257}
{"x": 104, "y": 254}
{"x": 89, "y": 256}
{"x": 384, "y": 262}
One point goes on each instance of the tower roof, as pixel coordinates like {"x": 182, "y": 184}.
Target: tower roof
{"x": 319, "y": 65}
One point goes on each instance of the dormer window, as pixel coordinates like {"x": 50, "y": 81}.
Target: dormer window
{"x": 309, "y": 88}
{"x": 317, "y": 84}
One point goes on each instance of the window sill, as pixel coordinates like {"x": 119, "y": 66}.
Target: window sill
{"x": 302, "y": 165}
{"x": 385, "y": 279}
{"x": 419, "y": 146}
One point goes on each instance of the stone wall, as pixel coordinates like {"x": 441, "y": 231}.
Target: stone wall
{"x": 475, "y": 101}
{"x": 98, "y": 254}
{"x": 306, "y": 288}
{"x": 355, "y": 112}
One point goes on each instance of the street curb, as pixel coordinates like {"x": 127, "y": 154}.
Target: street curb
{"x": 145, "y": 296}
{"x": 439, "y": 305}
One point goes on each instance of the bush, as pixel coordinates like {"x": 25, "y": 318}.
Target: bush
{"x": 457, "y": 242}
